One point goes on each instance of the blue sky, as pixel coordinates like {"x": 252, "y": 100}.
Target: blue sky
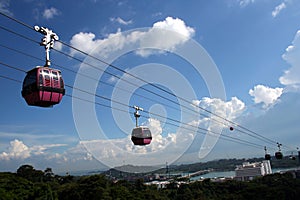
{"x": 254, "y": 47}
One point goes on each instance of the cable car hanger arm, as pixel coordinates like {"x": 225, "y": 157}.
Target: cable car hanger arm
{"x": 47, "y": 41}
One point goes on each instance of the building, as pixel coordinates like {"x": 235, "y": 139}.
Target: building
{"x": 247, "y": 171}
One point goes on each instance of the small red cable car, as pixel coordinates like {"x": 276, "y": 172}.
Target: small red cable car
{"x": 43, "y": 87}
{"x": 267, "y": 156}
{"x": 141, "y": 135}
{"x": 278, "y": 155}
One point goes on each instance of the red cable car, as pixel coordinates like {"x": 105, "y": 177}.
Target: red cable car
{"x": 43, "y": 87}
{"x": 278, "y": 155}
{"x": 141, "y": 135}
{"x": 267, "y": 156}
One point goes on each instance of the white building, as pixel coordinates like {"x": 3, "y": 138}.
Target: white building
{"x": 247, "y": 171}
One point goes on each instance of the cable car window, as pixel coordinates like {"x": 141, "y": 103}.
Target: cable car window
{"x": 40, "y": 80}
{"x": 47, "y": 78}
{"x": 46, "y": 74}
{"x": 137, "y": 132}
{"x": 55, "y": 83}
{"x": 54, "y": 75}
{"x": 30, "y": 78}
{"x": 147, "y": 132}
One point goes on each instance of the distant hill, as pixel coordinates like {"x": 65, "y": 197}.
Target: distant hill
{"x": 135, "y": 169}
{"x": 216, "y": 165}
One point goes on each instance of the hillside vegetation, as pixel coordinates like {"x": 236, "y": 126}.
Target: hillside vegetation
{"x": 29, "y": 183}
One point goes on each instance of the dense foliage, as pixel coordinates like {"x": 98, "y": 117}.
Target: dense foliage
{"x": 29, "y": 183}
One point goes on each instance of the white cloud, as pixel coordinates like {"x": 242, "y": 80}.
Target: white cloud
{"x": 6, "y": 135}
{"x": 58, "y": 158}
{"x": 121, "y": 3}
{"x": 18, "y": 150}
{"x": 244, "y": 3}
{"x": 40, "y": 149}
{"x": 58, "y": 46}
{"x": 278, "y": 9}
{"x": 292, "y": 57}
{"x": 87, "y": 43}
{"x": 164, "y": 147}
{"x": 73, "y": 154}
{"x": 164, "y": 35}
{"x": 112, "y": 79}
{"x": 121, "y": 21}
{"x": 157, "y": 14}
{"x": 229, "y": 110}
{"x": 158, "y": 142}
{"x": 4, "y": 5}
{"x": 84, "y": 41}
{"x": 176, "y": 25}
{"x": 265, "y": 95}
{"x": 49, "y": 13}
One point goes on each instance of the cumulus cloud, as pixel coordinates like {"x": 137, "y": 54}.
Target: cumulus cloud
{"x": 87, "y": 42}
{"x": 166, "y": 147}
{"x": 50, "y": 13}
{"x": 120, "y": 21}
{"x": 84, "y": 41}
{"x": 278, "y": 9}
{"x": 73, "y": 154}
{"x": 265, "y": 95}
{"x": 158, "y": 142}
{"x": 292, "y": 57}
{"x": 166, "y": 35}
{"x": 18, "y": 150}
{"x": 176, "y": 25}
{"x": 229, "y": 110}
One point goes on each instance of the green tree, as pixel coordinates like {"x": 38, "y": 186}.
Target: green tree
{"x": 29, "y": 173}
{"x": 15, "y": 187}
